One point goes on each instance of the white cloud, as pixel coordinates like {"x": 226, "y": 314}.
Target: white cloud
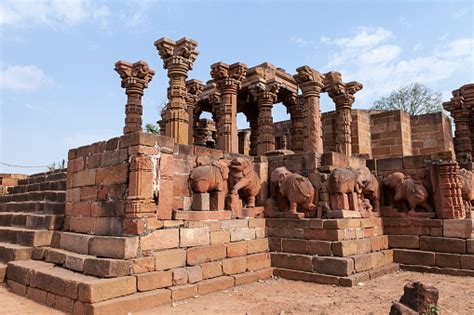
{"x": 365, "y": 37}
{"x": 458, "y": 14}
{"x": 51, "y": 13}
{"x": 301, "y": 42}
{"x": 371, "y": 57}
{"x": 26, "y": 78}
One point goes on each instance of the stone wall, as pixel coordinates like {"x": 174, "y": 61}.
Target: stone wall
{"x": 431, "y": 133}
{"x": 391, "y": 134}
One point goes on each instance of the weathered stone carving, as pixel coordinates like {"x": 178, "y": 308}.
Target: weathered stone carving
{"x": 135, "y": 78}
{"x": 212, "y": 177}
{"x": 294, "y": 190}
{"x": 407, "y": 189}
{"x": 178, "y": 58}
{"x": 193, "y": 91}
{"x": 417, "y": 298}
{"x": 467, "y": 181}
{"x": 244, "y": 181}
{"x": 369, "y": 185}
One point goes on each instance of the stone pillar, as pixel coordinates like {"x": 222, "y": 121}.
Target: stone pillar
{"x": 252, "y": 118}
{"x": 140, "y": 187}
{"x": 266, "y": 96}
{"x": 461, "y": 111}
{"x": 310, "y": 82}
{"x": 447, "y": 190}
{"x": 228, "y": 80}
{"x": 193, "y": 91}
{"x": 343, "y": 95}
{"x": 244, "y": 142}
{"x": 178, "y": 58}
{"x": 295, "y": 108}
{"x": 135, "y": 78}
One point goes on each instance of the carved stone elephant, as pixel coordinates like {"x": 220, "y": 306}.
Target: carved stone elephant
{"x": 343, "y": 181}
{"x": 296, "y": 189}
{"x": 243, "y": 180}
{"x": 370, "y": 186}
{"x": 467, "y": 181}
{"x": 212, "y": 177}
{"x": 407, "y": 189}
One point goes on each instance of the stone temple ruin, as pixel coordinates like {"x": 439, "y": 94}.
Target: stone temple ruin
{"x": 339, "y": 198}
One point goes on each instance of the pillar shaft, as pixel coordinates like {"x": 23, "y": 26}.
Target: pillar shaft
{"x": 266, "y": 139}
{"x": 178, "y": 58}
{"x": 295, "y": 108}
{"x": 193, "y": 91}
{"x": 135, "y": 78}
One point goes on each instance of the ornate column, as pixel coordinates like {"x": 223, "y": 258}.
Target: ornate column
{"x": 228, "y": 80}
{"x": 135, "y": 78}
{"x": 310, "y": 82}
{"x": 461, "y": 111}
{"x": 266, "y": 96}
{"x": 178, "y": 58}
{"x": 294, "y": 105}
{"x": 193, "y": 91}
{"x": 343, "y": 95}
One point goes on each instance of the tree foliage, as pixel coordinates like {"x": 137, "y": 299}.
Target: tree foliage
{"x": 152, "y": 128}
{"x": 414, "y": 99}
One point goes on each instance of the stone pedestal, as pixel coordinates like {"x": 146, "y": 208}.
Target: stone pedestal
{"x": 201, "y": 202}
{"x": 234, "y": 203}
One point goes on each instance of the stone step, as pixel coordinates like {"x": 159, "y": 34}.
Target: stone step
{"x": 23, "y": 236}
{"x": 43, "y": 195}
{"x": 34, "y": 207}
{"x": 434, "y": 259}
{"x": 331, "y": 265}
{"x": 64, "y": 289}
{"x": 348, "y": 281}
{"x": 86, "y": 264}
{"x": 44, "y": 177}
{"x": 3, "y": 272}
{"x": 32, "y": 220}
{"x": 12, "y": 252}
{"x": 55, "y": 185}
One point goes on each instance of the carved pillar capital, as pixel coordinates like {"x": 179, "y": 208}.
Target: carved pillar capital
{"x": 178, "y": 55}
{"x": 193, "y": 91}
{"x": 309, "y": 80}
{"x": 135, "y": 78}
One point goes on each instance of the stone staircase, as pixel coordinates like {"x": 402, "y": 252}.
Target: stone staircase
{"x": 29, "y": 214}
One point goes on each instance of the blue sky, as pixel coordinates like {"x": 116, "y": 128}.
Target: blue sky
{"x": 58, "y": 89}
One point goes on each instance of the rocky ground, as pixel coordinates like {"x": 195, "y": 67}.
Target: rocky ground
{"x": 280, "y": 296}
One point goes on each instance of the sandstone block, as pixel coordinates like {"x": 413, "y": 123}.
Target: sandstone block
{"x": 160, "y": 239}
{"x": 203, "y": 254}
{"x": 180, "y": 276}
{"x": 378, "y": 243}
{"x": 443, "y": 244}
{"x": 154, "y": 280}
{"x": 211, "y": 270}
{"x": 182, "y": 292}
{"x": 237, "y": 249}
{"x": 258, "y": 261}
{"x": 257, "y": 223}
{"x": 467, "y": 261}
{"x": 127, "y": 304}
{"x": 242, "y": 234}
{"x": 16, "y": 287}
{"x": 234, "y": 265}
{"x": 117, "y": 174}
{"x": 74, "y": 242}
{"x": 106, "y": 267}
{"x": 257, "y": 246}
{"x": 194, "y": 274}
{"x": 75, "y": 262}
{"x": 462, "y": 228}
{"x": 322, "y": 248}
{"x": 470, "y": 246}
{"x": 36, "y": 295}
{"x": 404, "y": 241}
{"x": 247, "y": 277}
{"x": 447, "y": 260}
{"x": 114, "y": 247}
{"x": 84, "y": 178}
{"x": 351, "y": 247}
{"x": 234, "y": 224}
{"x": 414, "y": 257}
{"x": 201, "y": 201}
{"x": 194, "y": 237}
{"x": 143, "y": 264}
{"x": 168, "y": 259}
{"x": 105, "y": 289}
{"x": 216, "y": 284}
{"x": 291, "y": 261}
{"x": 220, "y": 237}
{"x": 333, "y": 265}
{"x": 294, "y": 246}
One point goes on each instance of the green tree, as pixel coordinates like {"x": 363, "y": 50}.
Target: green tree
{"x": 414, "y": 99}
{"x": 152, "y": 128}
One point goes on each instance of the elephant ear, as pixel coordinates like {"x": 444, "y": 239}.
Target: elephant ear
{"x": 247, "y": 168}
{"x": 223, "y": 169}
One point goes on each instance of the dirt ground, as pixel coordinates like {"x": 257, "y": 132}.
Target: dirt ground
{"x": 280, "y": 296}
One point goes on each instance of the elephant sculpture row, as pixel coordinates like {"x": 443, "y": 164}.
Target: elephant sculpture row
{"x": 237, "y": 177}
{"x": 409, "y": 191}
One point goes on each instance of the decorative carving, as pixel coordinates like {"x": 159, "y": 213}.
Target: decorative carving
{"x": 343, "y": 95}
{"x": 294, "y": 190}
{"x": 212, "y": 177}
{"x": 467, "y": 182}
{"x": 244, "y": 181}
{"x": 135, "y": 78}
{"x": 178, "y": 58}
{"x": 343, "y": 189}
{"x": 228, "y": 80}
{"x": 407, "y": 189}
{"x": 370, "y": 189}
{"x": 417, "y": 298}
